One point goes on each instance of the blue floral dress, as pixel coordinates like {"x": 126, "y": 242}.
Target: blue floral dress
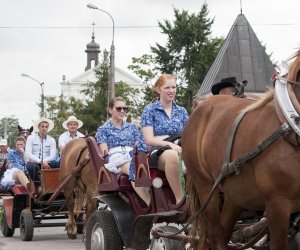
{"x": 127, "y": 135}
{"x": 15, "y": 161}
{"x": 155, "y": 116}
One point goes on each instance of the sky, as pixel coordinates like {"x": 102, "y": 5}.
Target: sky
{"x": 46, "y": 39}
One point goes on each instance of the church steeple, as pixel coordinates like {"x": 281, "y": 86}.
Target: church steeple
{"x": 92, "y": 50}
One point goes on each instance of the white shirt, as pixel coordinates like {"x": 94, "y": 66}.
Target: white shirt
{"x": 66, "y": 137}
{"x": 37, "y": 150}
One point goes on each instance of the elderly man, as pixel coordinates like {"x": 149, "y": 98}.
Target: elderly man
{"x": 71, "y": 125}
{"x": 41, "y": 150}
{"x": 226, "y": 86}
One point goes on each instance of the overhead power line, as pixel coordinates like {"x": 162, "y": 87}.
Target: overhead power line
{"x": 131, "y": 27}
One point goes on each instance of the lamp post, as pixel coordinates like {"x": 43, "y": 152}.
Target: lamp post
{"x": 111, "y": 86}
{"x": 42, "y": 88}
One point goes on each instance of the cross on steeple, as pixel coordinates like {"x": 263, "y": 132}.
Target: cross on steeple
{"x": 93, "y": 35}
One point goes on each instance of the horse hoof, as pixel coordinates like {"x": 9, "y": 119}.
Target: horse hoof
{"x": 72, "y": 236}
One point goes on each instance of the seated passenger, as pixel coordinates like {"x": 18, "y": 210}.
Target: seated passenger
{"x": 16, "y": 161}
{"x": 161, "y": 119}
{"x": 118, "y": 138}
{"x": 41, "y": 150}
{"x": 3, "y": 151}
{"x": 71, "y": 125}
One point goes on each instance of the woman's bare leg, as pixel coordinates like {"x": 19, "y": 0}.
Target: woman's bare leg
{"x": 168, "y": 162}
{"x": 141, "y": 191}
{"x": 21, "y": 178}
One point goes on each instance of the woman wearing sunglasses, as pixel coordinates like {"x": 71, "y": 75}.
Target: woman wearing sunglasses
{"x": 118, "y": 138}
{"x": 161, "y": 120}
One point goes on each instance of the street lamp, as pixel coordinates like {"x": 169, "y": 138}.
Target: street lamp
{"x": 111, "y": 86}
{"x": 42, "y": 88}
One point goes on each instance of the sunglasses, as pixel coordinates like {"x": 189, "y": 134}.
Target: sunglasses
{"x": 119, "y": 109}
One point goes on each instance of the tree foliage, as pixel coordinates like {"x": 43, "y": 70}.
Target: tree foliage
{"x": 58, "y": 109}
{"x": 9, "y": 129}
{"x": 188, "y": 53}
{"x": 92, "y": 110}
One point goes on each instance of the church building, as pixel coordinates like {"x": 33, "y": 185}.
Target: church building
{"x": 73, "y": 86}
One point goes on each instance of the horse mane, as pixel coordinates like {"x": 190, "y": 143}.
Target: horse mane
{"x": 261, "y": 102}
{"x": 294, "y": 69}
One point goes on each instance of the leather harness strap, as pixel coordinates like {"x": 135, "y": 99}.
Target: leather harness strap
{"x": 234, "y": 167}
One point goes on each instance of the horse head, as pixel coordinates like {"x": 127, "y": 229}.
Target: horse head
{"x": 24, "y": 132}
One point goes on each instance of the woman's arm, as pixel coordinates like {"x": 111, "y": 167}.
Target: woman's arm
{"x": 151, "y": 140}
{"x": 103, "y": 148}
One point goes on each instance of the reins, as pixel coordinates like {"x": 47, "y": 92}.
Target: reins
{"x": 285, "y": 79}
{"x": 67, "y": 178}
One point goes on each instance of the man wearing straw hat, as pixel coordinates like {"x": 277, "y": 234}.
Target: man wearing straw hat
{"x": 71, "y": 125}
{"x": 41, "y": 150}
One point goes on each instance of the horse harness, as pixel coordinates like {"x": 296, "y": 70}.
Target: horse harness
{"x": 232, "y": 167}
{"x": 287, "y": 129}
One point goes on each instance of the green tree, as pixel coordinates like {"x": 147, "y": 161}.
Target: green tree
{"x": 145, "y": 69}
{"x": 94, "y": 112}
{"x": 58, "y": 109}
{"x": 188, "y": 53}
{"x": 9, "y": 129}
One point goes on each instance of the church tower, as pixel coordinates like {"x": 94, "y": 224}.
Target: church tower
{"x": 92, "y": 50}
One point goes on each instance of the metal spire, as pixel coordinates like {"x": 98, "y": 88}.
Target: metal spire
{"x": 241, "y": 6}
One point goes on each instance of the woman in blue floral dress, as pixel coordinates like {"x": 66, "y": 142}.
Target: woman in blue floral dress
{"x": 118, "y": 138}
{"x": 16, "y": 162}
{"x": 161, "y": 119}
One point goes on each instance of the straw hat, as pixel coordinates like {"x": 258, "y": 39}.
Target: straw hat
{"x": 38, "y": 122}
{"x": 72, "y": 119}
{"x": 3, "y": 142}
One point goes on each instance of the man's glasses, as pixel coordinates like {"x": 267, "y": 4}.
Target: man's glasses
{"x": 119, "y": 109}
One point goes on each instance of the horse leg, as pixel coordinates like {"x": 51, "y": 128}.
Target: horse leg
{"x": 278, "y": 215}
{"x": 71, "y": 223}
{"x": 216, "y": 234}
{"x": 229, "y": 216}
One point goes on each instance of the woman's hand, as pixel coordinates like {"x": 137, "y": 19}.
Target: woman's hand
{"x": 175, "y": 147}
{"x": 21, "y": 150}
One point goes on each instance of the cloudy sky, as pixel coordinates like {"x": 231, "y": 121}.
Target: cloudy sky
{"x": 47, "y": 38}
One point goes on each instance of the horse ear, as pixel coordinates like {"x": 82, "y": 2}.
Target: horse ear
{"x": 19, "y": 128}
{"x": 31, "y": 129}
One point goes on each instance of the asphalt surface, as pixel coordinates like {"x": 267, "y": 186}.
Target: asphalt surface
{"x": 44, "y": 238}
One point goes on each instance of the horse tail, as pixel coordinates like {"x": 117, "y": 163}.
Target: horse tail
{"x": 80, "y": 197}
{"x": 79, "y": 189}
{"x": 198, "y": 224}
{"x": 261, "y": 102}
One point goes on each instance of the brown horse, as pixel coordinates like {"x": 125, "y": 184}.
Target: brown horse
{"x": 84, "y": 184}
{"x": 270, "y": 182}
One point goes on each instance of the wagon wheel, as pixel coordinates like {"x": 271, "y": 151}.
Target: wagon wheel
{"x": 6, "y": 231}
{"x": 26, "y": 225}
{"x": 165, "y": 243}
{"x": 102, "y": 232}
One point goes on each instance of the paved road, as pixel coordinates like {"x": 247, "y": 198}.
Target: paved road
{"x": 44, "y": 238}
